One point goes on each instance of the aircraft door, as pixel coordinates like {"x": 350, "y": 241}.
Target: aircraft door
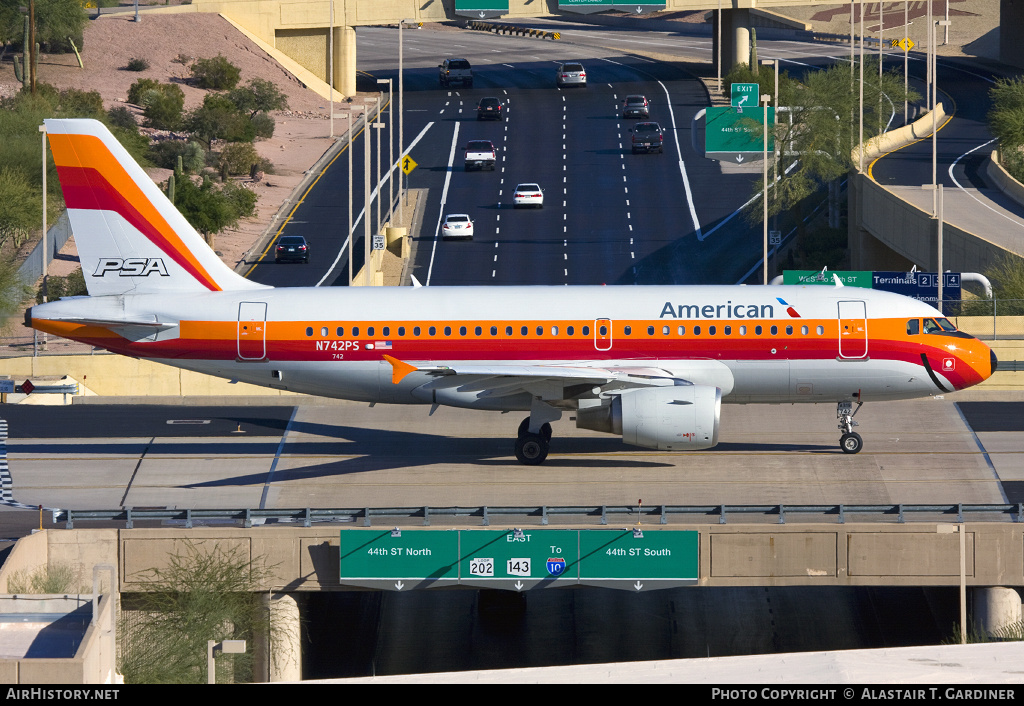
{"x": 603, "y": 334}
{"x": 252, "y": 330}
{"x": 853, "y": 330}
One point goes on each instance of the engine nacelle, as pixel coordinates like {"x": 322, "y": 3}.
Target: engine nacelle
{"x": 680, "y": 418}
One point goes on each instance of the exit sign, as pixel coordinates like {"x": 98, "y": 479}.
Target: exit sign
{"x": 744, "y": 95}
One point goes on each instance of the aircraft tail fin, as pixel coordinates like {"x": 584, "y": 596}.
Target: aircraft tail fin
{"x": 130, "y": 237}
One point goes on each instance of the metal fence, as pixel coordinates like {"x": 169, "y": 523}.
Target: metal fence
{"x": 546, "y": 515}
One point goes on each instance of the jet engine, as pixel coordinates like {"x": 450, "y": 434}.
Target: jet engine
{"x": 680, "y": 418}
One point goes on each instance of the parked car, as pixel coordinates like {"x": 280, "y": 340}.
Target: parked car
{"x": 528, "y": 195}
{"x": 457, "y": 225}
{"x": 488, "y": 109}
{"x": 571, "y": 74}
{"x": 455, "y": 71}
{"x": 480, "y": 154}
{"x": 648, "y": 137}
{"x": 291, "y": 248}
{"x": 635, "y": 106}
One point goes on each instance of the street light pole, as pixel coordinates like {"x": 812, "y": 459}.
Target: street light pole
{"x": 391, "y": 152}
{"x": 350, "y": 147}
{"x": 765, "y": 98}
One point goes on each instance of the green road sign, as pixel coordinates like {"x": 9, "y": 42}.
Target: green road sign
{"x": 732, "y": 136}
{"x": 413, "y": 559}
{"x": 586, "y": 7}
{"x": 518, "y": 560}
{"x": 638, "y": 561}
{"x": 853, "y": 278}
{"x": 745, "y": 95}
{"x": 481, "y": 9}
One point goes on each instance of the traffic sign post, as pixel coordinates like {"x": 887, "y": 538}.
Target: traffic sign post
{"x": 744, "y": 95}
{"x": 408, "y": 164}
{"x": 638, "y": 561}
{"x": 733, "y": 137}
{"x": 516, "y": 560}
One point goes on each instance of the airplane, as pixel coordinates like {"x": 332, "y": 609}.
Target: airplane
{"x": 653, "y": 364}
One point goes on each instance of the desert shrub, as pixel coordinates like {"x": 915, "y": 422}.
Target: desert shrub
{"x": 165, "y": 154}
{"x": 55, "y": 578}
{"x": 217, "y": 73}
{"x": 122, "y": 117}
{"x": 72, "y": 285}
{"x": 241, "y": 200}
{"x": 138, "y": 89}
{"x": 237, "y": 158}
{"x": 73, "y": 103}
{"x": 136, "y": 64}
{"x": 258, "y": 96}
{"x": 162, "y": 106}
{"x": 263, "y": 124}
{"x": 218, "y": 119}
{"x": 20, "y": 205}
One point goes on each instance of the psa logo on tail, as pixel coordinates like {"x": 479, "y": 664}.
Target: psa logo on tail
{"x": 131, "y": 267}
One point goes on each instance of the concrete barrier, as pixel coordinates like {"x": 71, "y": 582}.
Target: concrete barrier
{"x": 995, "y": 171}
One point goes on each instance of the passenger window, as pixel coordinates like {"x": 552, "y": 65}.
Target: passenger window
{"x": 540, "y": 330}
{"x": 369, "y": 330}
{"x": 789, "y": 330}
{"x": 727, "y": 330}
{"x": 324, "y": 332}
{"x": 462, "y": 330}
{"x": 341, "y": 331}
{"x": 570, "y": 330}
{"x": 355, "y": 331}
{"x": 309, "y": 330}
{"x": 803, "y": 330}
{"x": 386, "y": 331}
{"x": 432, "y": 331}
{"x": 586, "y": 330}
{"x": 743, "y": 330}
{"x": 696, "y": 330}
{"x": 681, "y": 331}
{"x": 712, "y": 330}
{"x": 775, "y": 330}
{"x": 628, "y": 330}
{"x": 447, "y": 330}
{"x": 603, "y": 330}
{"x": 821, "y": 330}
{"x": 401, "y": 331}
{"x": 478, "y": 331}
{"x": 757, "y": 330}
{"x": 415, "y": 331}
{"x": 508, "y": 330}
{"x": 650, "y": 330}
{"x": 494, "y": 330}
{"x": 554, "y": 330}
{"x": 524, "y": 331}
{"x": 913, "y": 327}
{"x": 664, "y": 330}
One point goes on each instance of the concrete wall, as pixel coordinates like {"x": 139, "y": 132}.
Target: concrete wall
{"x": 1011, "y": 39}
{"x": 812, "y": 554}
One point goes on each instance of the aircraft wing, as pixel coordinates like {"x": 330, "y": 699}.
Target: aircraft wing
{"x": 548, "y": 381}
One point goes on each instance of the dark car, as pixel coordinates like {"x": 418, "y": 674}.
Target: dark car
{"x": 488, "y": 109}
{"x": 635, "y": 106}
{"x": 291, "y": 247}
{"x": 648, "y": 137}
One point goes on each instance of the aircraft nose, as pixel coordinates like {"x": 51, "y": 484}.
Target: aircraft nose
{"x": 994, "y": 361}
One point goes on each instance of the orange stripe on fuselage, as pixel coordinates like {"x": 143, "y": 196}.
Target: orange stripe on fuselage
{"x": 89, "y": 152}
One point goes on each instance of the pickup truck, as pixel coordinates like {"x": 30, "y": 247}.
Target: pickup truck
{"x": 455, "y": 71}
{"x": 480, "y": 154}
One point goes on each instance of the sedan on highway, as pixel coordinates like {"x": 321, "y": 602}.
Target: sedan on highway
{"x": 291, "y": 247}
{"x": 635, "y": 106}
{"x": 528, "y": 195}
{"x": 457, "y": 225}
{"x": 571, "y": 74}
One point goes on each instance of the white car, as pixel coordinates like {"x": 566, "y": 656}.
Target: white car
{"x": 528, "y": 195}
{"x": 457, "y": 225}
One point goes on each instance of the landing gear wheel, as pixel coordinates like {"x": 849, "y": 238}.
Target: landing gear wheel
{"x": 531, "y": 449}
{"x": 524, "y": 429}
{"x": 851, "y": 443}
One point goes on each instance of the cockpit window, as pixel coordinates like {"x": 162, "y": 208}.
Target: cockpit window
{"x": 946, "y": 324}
{"x": 930, "y": 326}
{"x": 913, "y": 327}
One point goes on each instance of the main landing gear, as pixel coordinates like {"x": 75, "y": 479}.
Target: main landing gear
{"x": 850, "y": 442}
{"x": 532, "y": 448}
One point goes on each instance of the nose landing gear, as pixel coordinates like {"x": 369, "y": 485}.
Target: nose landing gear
{"x": 850, "y": 442}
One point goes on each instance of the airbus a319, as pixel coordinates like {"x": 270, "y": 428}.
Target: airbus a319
{"x": 650, "y": 363}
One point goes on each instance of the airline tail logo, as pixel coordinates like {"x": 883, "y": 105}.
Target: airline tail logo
{"x": 132, "y": 267}
{"x": 789, "y": 310}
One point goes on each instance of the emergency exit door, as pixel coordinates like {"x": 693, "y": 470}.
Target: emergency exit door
{"x": 252, "y": 330}
{"x": 853, "y": 330}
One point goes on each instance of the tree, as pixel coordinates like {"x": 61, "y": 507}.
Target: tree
{"x": 1006, "y": 121}
{"x": 258, "y": 96}
{"x": 21, "y": 206}
{"x": 210, "y": 209}
{"x": 162, "y": 106}
{"x": 218, "y": 119}
{"x": 12, "y": 290}
{"x": 205, "y": 592}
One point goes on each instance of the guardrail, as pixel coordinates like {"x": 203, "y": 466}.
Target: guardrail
{"x": 619, "y": 514}
{"x": 512, "y": 29}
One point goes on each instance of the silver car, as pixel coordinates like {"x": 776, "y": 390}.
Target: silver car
{"x": 571, "y": 74}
